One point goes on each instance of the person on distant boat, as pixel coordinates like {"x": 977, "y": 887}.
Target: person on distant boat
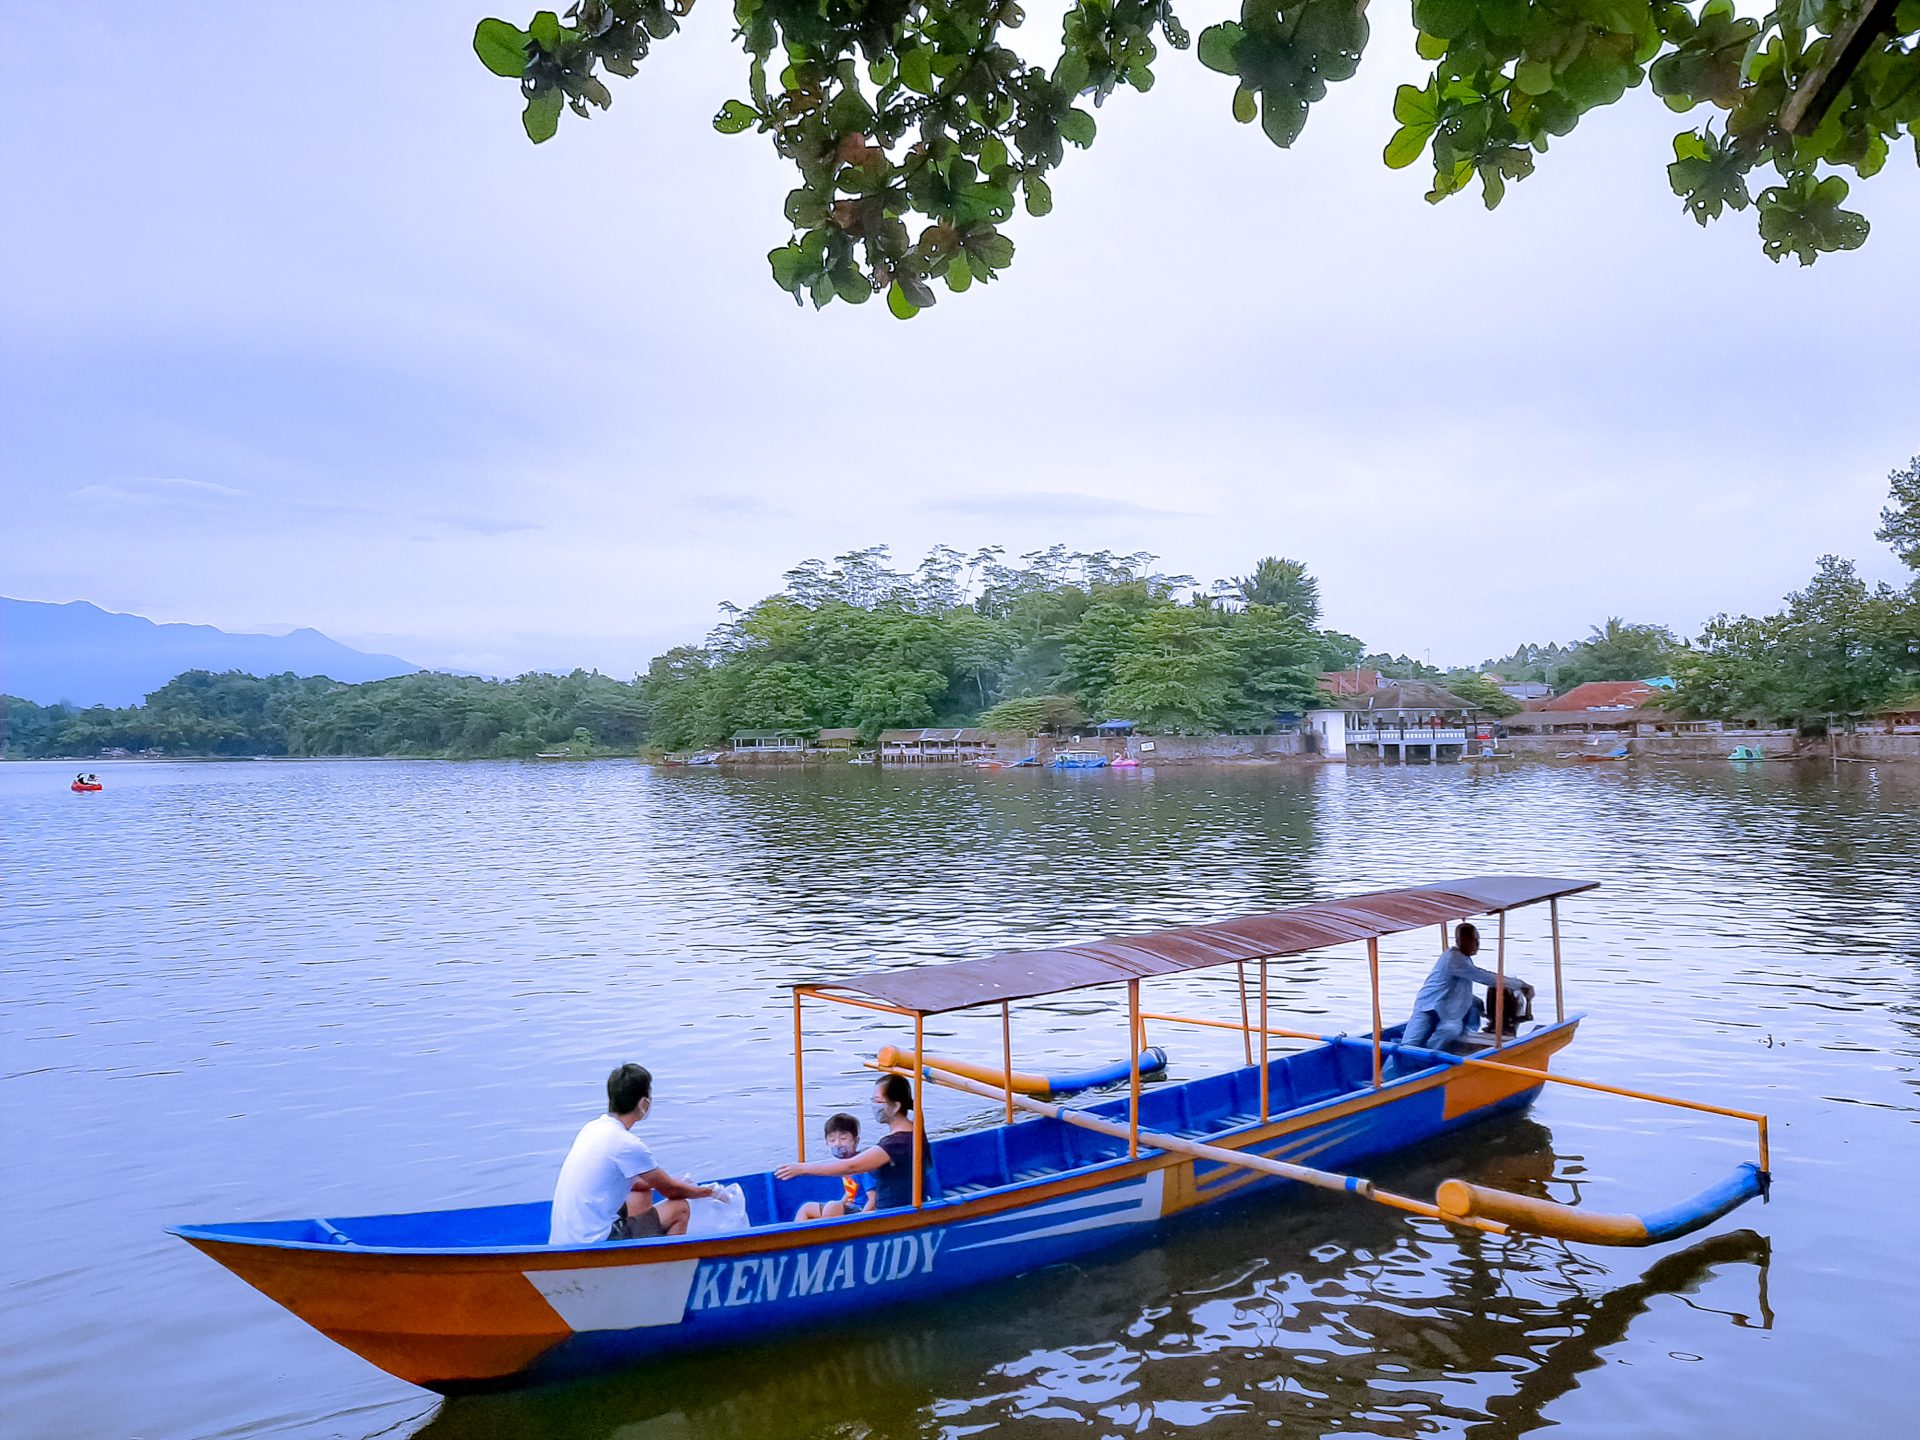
{"x": 842, "y": 1133}
{"x": 607, "y": 1182}
{"x": 890, "y": 1161}
{"x": 1446, "y": 1007}
{"x": 80, "y": 779}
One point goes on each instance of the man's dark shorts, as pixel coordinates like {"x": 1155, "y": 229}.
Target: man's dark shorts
{"x": 643, "y": 1226}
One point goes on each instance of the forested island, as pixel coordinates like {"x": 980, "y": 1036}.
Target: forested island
{"x": 1051, "y": 641}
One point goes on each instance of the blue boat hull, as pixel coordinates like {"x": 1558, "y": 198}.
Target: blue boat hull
{"x": 458, "y": 1300}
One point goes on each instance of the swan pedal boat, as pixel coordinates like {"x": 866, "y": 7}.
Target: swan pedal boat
{"x": 473, "y": 1299}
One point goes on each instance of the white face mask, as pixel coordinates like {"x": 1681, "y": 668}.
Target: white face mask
{"x": 883, "y": 1114}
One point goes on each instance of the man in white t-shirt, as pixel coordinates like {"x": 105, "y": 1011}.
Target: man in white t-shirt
{"x": 607, "y": 1182}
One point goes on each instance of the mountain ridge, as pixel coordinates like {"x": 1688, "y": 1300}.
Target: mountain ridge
{"x": 77, "y": 652}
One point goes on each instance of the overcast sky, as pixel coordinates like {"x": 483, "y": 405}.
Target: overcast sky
{"x": 298, "y": 329}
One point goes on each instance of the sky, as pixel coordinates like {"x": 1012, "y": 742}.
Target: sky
{"x": 300, "y": 330}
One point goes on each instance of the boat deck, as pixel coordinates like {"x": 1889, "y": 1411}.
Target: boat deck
{"x": 962, "y": 1166}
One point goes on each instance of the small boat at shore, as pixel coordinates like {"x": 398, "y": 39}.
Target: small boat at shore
{"x": 1080, "y": 760}
{"x": 473, "y": 1298}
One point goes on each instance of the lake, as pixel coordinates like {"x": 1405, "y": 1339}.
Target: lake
{"x": 275, "y": 989}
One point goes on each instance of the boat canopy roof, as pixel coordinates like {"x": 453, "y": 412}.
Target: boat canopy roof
{"x": 1025, "y": 974}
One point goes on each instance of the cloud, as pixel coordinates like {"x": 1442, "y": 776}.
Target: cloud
{"x": 1048, "y": 505}
{"x": 742, "y": 505}
{"x": 206, "y": 498}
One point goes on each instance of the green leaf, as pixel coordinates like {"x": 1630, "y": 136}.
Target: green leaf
{"x": 1039, "y": 196}
{"x": 1409, "y": 142}
{"x": 851, "y": 286}
{"x": 1217, "y": 44}
{"x": 1533, "y": 77}
{"x": 542, "y": 115}
{"x": 1412, "y": 106}
{"x": 1493, "y": 185}
{"x": 806, "y": 208}
{"x": 959, "y": 274}
{"x": 1283, "y": 115}
{"x": 1071, "y": 73}
{"x": 993, "y": 155}
{"x": 502, "y": 48}
{"x": 899, "y": 304}
{"x": 1077, "y": 126}
{"x": 545, "y": 27}
{"x": 1246, "y": 105}
{"x": 787, "y": 262}
{"x": 735, "y": 116}
{"x": 1429, "y": 47}
{"x": 1447, "y": 19}
{"x": 916, "y": 70}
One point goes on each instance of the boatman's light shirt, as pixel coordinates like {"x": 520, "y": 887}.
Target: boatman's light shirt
{"x": 1449, "y": 989}
{"x": 594, "y": 1181}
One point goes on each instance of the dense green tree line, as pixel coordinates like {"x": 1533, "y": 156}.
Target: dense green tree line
{"x": 1055, "y": 637}
{"x": 201, "y": 713}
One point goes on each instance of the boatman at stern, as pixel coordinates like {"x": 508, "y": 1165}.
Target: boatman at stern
{"x": 1446, "y": 1005}
{"x": 607, "y": 1183}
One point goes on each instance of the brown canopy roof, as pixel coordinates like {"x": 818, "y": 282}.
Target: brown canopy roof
{"x": 1023, "y": 974}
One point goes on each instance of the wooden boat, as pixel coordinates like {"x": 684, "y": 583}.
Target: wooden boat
{"x": 1596, "y": 756}
{"x": 473, "y": 1298}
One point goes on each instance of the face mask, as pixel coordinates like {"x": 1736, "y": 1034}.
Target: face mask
{"x": 881, "y": 1114}
{"x": 840, "y": 1147}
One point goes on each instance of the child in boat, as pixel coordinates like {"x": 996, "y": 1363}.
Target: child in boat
{"x": 606, "y": 1185}
{"x": 890, "y": 1162}
{"x": 843, "y": 1143}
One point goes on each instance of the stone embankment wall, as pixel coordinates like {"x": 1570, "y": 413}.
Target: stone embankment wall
{"x": 1880, "y": 747}
{"x": 1772, "y": 743}
{"x": 1178, "y": 749}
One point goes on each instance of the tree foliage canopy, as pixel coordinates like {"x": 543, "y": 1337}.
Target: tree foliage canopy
{"x": 1044, "y": 642}
{"x": 916, "y": 128}
{"x": 460, "y": 716}
{"x": 1838, "y": 647}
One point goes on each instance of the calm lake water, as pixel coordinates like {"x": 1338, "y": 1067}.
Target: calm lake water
{"x": 276, "y": 989}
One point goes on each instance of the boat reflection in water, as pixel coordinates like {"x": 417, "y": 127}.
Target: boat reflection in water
{"x": 1355, "y": 1320}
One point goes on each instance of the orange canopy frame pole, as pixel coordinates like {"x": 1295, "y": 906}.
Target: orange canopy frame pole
{"x": 919, "y": 1117}
{"x": 1133, "y": 1070}
{"x": 799, "y": 1082}
{"x": 1006, "y": 1053}
{"x": 1559, "y": 987}
{"x": 1373, "y": 974}
{"x": 857, "y": 1004}
{"x": 1246, "y": 1021}
{"x": 1264, "y": 1078}
{"x": 1500, "y": 990}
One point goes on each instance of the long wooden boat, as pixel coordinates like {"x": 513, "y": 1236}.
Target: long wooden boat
{"x": 475, "y": 1298}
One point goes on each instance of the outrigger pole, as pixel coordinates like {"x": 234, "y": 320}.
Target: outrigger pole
{"x": 1470, "y": 1207}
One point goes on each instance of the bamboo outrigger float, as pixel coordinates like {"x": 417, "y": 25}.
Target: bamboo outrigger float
{"x": 466, "y": 1299}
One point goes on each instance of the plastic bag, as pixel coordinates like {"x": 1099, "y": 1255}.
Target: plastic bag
{"x": 723, "y": 1214}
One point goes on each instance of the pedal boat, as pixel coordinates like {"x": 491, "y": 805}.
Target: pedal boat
{"x": 471, "y": 1299}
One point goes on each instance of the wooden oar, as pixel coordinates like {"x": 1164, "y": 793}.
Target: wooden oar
{"x": 1282, "y": 1169}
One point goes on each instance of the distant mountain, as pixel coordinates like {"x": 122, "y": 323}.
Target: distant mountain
{"x": 89, "y": 656}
